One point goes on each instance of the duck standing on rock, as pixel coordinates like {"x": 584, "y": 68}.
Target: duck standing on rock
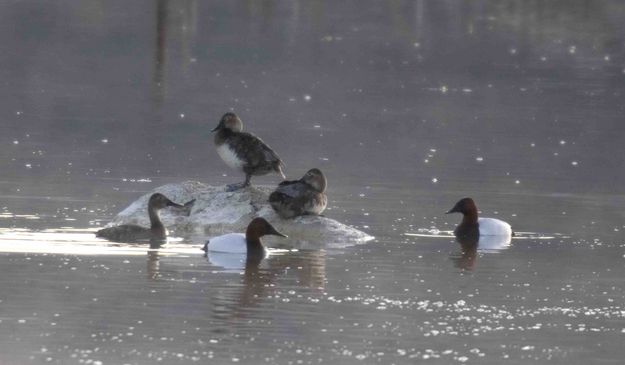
{"x": 134, "y": 233}
{"x": 305, "y": 196}
{"x": 244, "y": 151}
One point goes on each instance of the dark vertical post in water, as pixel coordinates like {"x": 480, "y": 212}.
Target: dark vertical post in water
{"x": 161, "y": 50}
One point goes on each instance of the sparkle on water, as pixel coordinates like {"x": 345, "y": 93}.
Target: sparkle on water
{"x": 405, "y": 106}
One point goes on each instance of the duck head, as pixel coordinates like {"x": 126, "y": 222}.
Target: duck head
{"x": 464, "y": 206}
{"x": 160, "y": 201}
{"x": 468, "y": 209}
{"x": 229, "y": 121}
{"x": 316, "y": 179}
{"x": 259, "y": 227}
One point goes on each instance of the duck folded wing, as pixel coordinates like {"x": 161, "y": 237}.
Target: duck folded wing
{"x": 253, "y": 150}
{"x": 285, "y": 205}
{"x": 288, "y": 182}
{"x": 125, "y": 233}
{"x": 292, "y": 189}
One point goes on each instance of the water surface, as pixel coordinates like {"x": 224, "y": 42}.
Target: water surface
{"x": 406, "y": 107}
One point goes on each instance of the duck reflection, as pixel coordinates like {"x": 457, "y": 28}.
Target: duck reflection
{"x": 468, "y": 254}
{"x": 472, "y": 244}
{"x": 153, "y": 264}
{"x": 259, "y": 276}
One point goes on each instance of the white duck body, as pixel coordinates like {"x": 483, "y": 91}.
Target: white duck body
{"x": 493, "y": 243}
{"x": 230, "y": 156}
{"x": 247, "y": 244}
{"x": 228, "y": 243}
{"x": 230, "y": 262}
{"x": 494, "y": 227}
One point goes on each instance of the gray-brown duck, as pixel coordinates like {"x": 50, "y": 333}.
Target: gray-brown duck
{"x": 244, "y": 151}
{"x": 305, "y": 196}
{"x": 134, "y": 233}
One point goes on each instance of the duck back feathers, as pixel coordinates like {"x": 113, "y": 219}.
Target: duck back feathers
{"x": 132, "y": 233}
{"x": 231, "y": 242}
{"x": 300, "y": 197}
{"x": 494, "y": 227}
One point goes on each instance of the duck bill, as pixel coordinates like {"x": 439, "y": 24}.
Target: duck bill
{"x": 274, "y": 232}
{"x": 452, "y": 210}
{"x": 219, "y": 126}
{"x": 172, "y": 204}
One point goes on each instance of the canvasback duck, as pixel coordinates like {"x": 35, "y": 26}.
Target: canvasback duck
{"x": 473, "y": 227}
{"x": 244, "y": 151}
{"x": 301, "y": 197}
{"x": 134, "y": 233}
{"x": 248, "y": 243}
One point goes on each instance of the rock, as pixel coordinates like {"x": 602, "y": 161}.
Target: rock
{"x": 217, "y": 211}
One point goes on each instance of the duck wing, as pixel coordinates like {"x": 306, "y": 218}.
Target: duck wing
{"x": 254, "y": 151}
{"x": 288, "y": 182}
{"x": 291, "y": 189}
{"x": 125, "y": 233}
{"x": 290, "y": 199}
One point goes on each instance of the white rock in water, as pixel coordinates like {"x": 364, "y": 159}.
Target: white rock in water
{"x": 217, "y": 211}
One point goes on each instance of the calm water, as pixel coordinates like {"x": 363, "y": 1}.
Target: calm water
{"x": 407, "y": 106}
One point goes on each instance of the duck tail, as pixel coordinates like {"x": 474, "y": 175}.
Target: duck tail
{"x": 278, "y": 167}
{"x": 186, "y": 208}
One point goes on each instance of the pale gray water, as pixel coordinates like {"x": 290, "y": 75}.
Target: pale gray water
{"x": 406, "y": 106}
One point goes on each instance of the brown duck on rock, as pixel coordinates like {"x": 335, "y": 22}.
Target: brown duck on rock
{"x": 305, "y": 196}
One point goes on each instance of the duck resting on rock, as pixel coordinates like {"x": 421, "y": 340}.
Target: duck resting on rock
{"x": 305, "y": 196}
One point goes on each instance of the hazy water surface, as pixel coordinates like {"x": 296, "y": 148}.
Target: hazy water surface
{"x": 406, "y": 106}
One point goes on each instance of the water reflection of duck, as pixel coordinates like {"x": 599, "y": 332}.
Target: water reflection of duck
{"x": 134, "y": 233}
{"x": 472, "y": 244}
{"x": 301, "y": 197}
{"x": 153, "y": 264}
{"x": 468, "y": 255}
{"x": 259, "y": 276}
{"x": 244, "y": 151}
{"x": 248, "y": 244}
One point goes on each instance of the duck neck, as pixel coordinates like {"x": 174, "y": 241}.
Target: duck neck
{"x": 155, "y": 219}
{"x": 469, "y": 218}
{"x": 467, "y": 235}
{"x": 254, "y": 246}
{"x": 312, "y": 186}
{"x": 222, "y": 135}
